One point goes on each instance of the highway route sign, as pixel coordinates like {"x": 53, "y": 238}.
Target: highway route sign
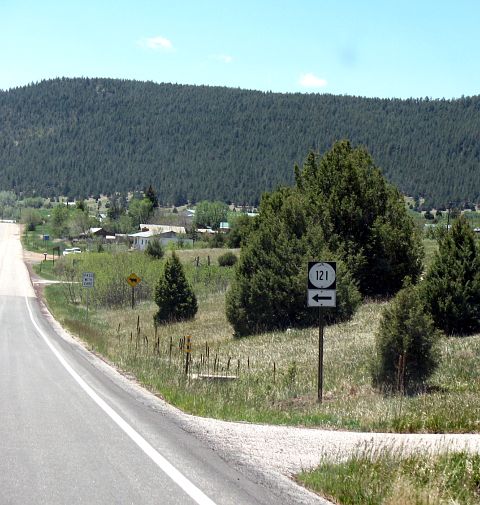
{"x": 322, "y": 292}
{"x": 134, "y": 280}
{"x": 88, "y": 279}
{"x": 322, "y": 284}
{"x": 322, "y": 274}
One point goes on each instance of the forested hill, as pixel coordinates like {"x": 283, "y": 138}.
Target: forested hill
{"x": 80, "y": 137}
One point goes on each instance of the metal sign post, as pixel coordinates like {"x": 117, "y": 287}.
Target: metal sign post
{"x": 320, "y": 356}
{"x": 188, "y": 350}
{"x": 321, "y": 293}
{"x": 56, "y": 248}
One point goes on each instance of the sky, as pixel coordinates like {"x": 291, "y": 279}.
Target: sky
{"x": 373, "y": 48}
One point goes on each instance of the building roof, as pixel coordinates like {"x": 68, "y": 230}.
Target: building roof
{"x": 162, "y": 228}
{"x": 142, "y": 234}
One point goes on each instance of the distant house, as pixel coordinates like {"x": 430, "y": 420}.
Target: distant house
{"x": 141, "y": 239}
{"x": 163, "y": 228}
{"x": 224, "y": 227}
{"x": 97, "y": 232}
{"x": 165, "y": 234}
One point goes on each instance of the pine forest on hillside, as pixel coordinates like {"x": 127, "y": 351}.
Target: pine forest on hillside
{"x": 81, "y": 137}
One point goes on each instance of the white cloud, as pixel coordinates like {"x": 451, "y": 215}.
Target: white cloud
{"x": 312, "y": 81}
{"x": 225, "y": 58}
{"x": 157, "y": 43}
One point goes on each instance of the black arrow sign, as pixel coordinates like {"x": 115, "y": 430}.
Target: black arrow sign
{"x": 317, "y": 298}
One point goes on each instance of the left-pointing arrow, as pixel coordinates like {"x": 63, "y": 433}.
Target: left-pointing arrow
{"x": 317, "y": 298}
{"x": 322, "y": 298}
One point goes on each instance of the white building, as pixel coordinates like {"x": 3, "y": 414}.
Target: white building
{"x": 163, "y": 233}
{"x": 163, "y": 228}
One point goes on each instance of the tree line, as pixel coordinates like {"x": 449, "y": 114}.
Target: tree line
{"x": 82, "y": 137}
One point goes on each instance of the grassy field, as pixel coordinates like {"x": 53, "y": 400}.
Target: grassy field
{"x": 385, "y": 478}
{"x": 273, "y": 378}
{"x": 275, "y": 373}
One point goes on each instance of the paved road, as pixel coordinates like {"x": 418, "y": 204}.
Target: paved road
{"x": 72, "y": 434}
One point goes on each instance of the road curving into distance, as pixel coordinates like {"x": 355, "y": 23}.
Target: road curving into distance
{"x": 74, "y": 431}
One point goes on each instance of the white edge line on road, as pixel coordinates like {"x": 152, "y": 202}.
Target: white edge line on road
{"x": 193, "y": 491}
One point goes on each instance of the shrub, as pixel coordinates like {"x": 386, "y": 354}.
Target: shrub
{"x": 173, "y": 295}
{"x": 227, "y": 260}
{"x": 405, "y": 351}
{"x": 217, "y": 241}
{"x": 452, "y": 283}
{"x": 154, "y": 249}
{"x": 240, "y": 228}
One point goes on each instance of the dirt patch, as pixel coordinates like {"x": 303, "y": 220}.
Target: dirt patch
{"x": 31, "y": 258}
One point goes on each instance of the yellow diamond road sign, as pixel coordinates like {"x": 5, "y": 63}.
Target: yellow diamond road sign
{"x": 134, "y": 280}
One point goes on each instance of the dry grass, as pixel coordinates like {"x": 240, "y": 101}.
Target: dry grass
{"x": 277, "y": 371}
{"x": 188, "y": 255}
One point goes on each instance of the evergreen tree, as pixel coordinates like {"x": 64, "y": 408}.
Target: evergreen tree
{"x": 175, "y": 298}
{"x": 269, "y": 288}
{"x": 154, "y": 249}
{"x": 452, "y": 283}
{"x": 152, "y": 196}
{"x": 405, "y": 344}
{"x": 116, "y": 206}
{"x": 81, "y": 205}
{"x": 240, "y": 226}
{"x": 362, "y": 217}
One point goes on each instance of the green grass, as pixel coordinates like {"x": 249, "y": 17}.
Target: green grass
{"x": 276, "y": 372}
{"x": 74, "y": 317}
{"x": 45, "y": 269}
{"x": 387, "y": 478}
{"x": 287, "y": 396}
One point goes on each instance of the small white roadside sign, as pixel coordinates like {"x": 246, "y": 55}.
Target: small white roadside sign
{"x": 88, "y": 279}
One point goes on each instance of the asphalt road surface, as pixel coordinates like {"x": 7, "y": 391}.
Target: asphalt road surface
{"x": 71, "y": 434}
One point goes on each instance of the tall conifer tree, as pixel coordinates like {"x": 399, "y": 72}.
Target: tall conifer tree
{"x": 452, "y": 284}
